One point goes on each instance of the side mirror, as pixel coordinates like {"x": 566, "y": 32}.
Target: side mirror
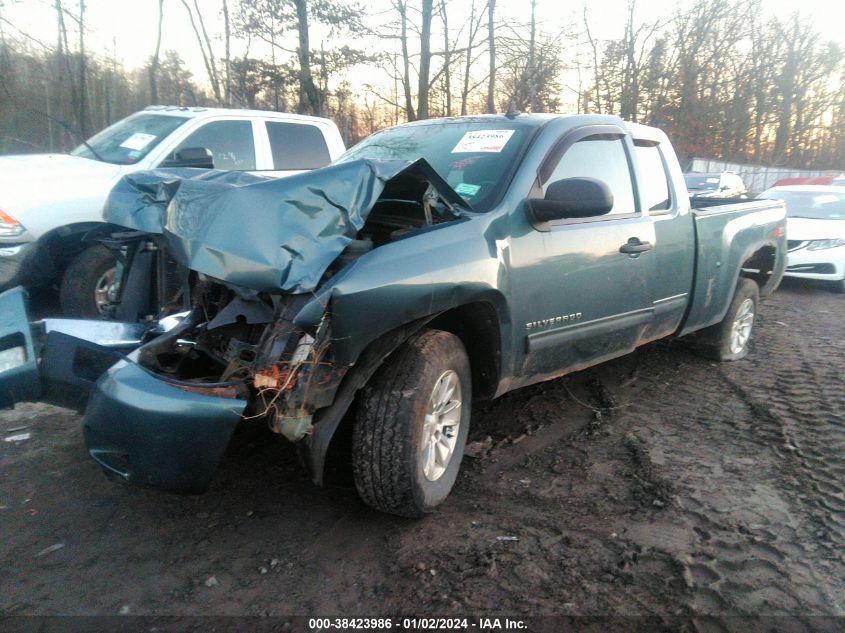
{"x": 572, "y": 198}
{"x": 199, "y": 157}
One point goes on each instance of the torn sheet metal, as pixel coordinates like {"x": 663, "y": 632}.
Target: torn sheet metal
{"x": 266, "y": 234}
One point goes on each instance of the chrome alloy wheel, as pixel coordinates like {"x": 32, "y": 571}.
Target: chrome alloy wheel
{"x": 441, "y": 426}
{"x": 103, "y": 290}
{"x": 741, "y": 329}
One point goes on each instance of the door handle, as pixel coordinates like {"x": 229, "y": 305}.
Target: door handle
{"x": 634, "y": 246}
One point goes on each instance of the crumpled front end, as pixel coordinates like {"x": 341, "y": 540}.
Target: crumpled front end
{"x": 149, "y": 432}
{"x": 236, "y": 263}
{"x": 218, "y": 312}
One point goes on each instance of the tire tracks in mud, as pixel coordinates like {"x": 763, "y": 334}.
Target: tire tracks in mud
{"x": 778, "y": 418}
{"x": 798, "y": 398}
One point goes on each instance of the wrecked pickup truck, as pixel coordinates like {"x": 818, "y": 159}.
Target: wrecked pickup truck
{"x": 433, "y": 264}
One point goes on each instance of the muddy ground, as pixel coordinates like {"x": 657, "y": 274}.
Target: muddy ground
{"x": 659, "y": 484}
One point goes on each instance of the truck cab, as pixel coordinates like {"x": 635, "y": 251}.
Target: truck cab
{"x": 51, "y": 202}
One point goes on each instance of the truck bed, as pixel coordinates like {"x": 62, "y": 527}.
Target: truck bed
{"x": 727, "y": 235}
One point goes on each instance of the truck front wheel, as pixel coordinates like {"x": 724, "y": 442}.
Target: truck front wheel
{"x": 729, "y": 339}
{"x": 412, "y": 424}
{"x": 89, "y": 277}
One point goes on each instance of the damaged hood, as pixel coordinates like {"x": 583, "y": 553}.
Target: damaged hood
{"x": 271, "y": 235}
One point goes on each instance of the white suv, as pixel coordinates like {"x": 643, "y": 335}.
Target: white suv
{"x": 49, "y": 202}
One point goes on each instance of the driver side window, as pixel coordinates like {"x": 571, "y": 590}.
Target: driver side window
{"x": 604, "y": 158}
{"x": 231, "y": 143}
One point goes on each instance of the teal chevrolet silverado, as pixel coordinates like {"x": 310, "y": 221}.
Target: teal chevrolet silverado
{"x": 434, "y": 264}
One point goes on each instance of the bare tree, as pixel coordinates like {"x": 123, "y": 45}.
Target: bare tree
{"x": 227, "y": 31}
{"x": 470, "y": 56}
{"x": 204, "y": 42}
{"x": 491, "y": 47}
{"x": 307, "y": 89}
{"x": 153, "y": 68}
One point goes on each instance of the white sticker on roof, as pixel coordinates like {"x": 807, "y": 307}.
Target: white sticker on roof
{"x": 483, "y": 141}
{"x": 138, "y": 141}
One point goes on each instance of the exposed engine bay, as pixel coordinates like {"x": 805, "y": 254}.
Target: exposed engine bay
{"x": 214, "y": 337}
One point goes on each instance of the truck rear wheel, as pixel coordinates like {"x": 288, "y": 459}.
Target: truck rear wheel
{"x": 412, "y": 424}
{"x": 729, "y": 339}
{"x": 84, "y": 292}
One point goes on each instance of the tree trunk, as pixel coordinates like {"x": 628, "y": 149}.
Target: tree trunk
{"x": 228, "y": 50}
{"x": 447, "y": 59}
{"x": 410, "y": 112}
{"x": 203, "y": 41}
{"x": 491, "y": 47}
{"x": 307, "y": 90}
{"x": 594, "y": 46}
{"x": 473, "y": 29}
{"x": 532, "y": 60}
{"x": 153, "y": 70}
{"x": 83, "y": 74}
{"x": 425, "y": 60}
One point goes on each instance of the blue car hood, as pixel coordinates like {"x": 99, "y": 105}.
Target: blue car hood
{"x": 271, "y": 235}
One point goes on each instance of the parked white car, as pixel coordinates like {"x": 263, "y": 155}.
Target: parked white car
{"x": 815, "y": 231}
{"x": 49, "y": 202}
{"x": 724, "y": 184}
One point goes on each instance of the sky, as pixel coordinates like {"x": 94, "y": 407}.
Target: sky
{"x": 127, "y": 28}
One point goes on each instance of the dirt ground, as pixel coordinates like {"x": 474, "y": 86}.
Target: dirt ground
{"x": 658, "y": 484}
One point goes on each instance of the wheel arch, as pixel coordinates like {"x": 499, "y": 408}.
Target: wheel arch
{"x": 66, "y": 242}
{"x": 476, "y": 323}
{"x": 760, "y": 265}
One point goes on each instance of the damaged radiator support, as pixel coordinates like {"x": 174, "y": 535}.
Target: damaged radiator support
{"x": 238, "y": 343}
{"x": 294, "y": 386}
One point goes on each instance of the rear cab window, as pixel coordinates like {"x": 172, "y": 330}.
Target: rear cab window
{"x": 653, "y": 179}
{"x": 297, "y": 146}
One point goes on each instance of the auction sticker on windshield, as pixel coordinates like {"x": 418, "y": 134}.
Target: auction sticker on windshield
{"x": 138, "y": 141}
{"x": 483, "y": 141}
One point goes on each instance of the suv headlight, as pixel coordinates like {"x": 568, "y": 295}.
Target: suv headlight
{"x": 9, "y": 226}
{"x": 820, "y": 245}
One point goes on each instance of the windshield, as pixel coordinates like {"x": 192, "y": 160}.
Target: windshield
{"x": 701, "y": 182}
{"x": 129, "y": 140}
{"x": 816, "y": 205}
{"x": 476, "y": 157}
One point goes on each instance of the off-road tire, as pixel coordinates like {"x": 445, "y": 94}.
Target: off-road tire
{"x": 717, "y": 338}
{"x": 388, "y": 430}
{"x": 77, "y": 294}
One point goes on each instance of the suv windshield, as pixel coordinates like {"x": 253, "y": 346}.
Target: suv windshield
{"x": 816, "y": 205}
{"x": 476, "y": 157}
{"x": 129, "y": 140}
{"x": 702, "y": 182}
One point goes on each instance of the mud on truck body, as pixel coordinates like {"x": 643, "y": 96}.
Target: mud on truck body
{"x": 433, "y": 264}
